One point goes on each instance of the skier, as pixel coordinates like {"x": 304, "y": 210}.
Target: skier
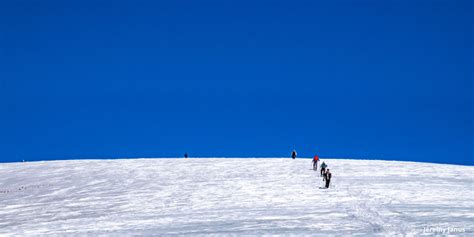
{"x": 315, "y": 162}
{"x": 293, "y": 154}
{"x": 327, "y": 178}
{"x": 185, "y": 155}
{"x": 323, "y": 168}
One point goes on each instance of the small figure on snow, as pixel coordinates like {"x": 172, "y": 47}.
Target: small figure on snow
{"x": 315, "y": 162}
{"x": 323, "y": 168}
{"x": 327, "y": 177}
{"x": 293, "y": 154}
{"x": 185, "y": 155}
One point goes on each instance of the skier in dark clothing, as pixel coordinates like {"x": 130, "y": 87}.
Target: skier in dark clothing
{"x": 185, "y": 155}
{"x": 327, "y": 177}
{"x": 293, "y": 154}
{"x": 323, "y": 168}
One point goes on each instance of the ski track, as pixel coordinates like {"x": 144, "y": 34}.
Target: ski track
{"x": 375, "y": 212}
{"x": 232, "y": 197}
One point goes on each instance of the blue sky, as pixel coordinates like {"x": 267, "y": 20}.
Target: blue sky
{"x": 363, "y": 79}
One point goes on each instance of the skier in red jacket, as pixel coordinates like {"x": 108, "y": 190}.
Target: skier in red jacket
{"x": 315, "y": 162}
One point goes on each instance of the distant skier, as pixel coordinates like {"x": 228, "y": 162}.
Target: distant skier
{"x": 323, "y": 168}
{"x": 327, "y": 177}
{"x": 293, "y": 154}
{"x": 315, "y": 162}
{"x": 185, "y": 155}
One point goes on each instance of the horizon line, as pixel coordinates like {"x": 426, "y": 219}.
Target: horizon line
{"x": 206, "y": 157}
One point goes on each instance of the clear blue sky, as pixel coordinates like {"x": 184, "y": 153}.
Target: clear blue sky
{"x": 363, "y": 79}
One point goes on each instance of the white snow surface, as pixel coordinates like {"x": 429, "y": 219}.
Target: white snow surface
{"x": 248, "y": 196}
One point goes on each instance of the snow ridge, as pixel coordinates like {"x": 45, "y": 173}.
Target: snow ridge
{"x": 232, "y": 196}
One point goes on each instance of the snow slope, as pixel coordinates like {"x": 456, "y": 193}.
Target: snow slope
{"x": 232, "y": 196}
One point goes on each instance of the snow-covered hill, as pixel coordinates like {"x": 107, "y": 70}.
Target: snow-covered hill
{"x": 233, "y": 196}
